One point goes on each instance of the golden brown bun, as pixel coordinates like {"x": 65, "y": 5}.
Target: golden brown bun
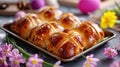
{"x": 40, "y": 34}
{"x": 91, "y": 33}
{"x": 23, "y": 25}
{"x": 49, "y": 13}
{"x": 64, "y": 37}
{"x": 65, "y": 44}
{"x": 68, "y": 20}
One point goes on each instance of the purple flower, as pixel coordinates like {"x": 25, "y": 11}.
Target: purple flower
{"x": 3, "y": 62}
{"x": 5, "y": 49}
{"x": 57, "y": 64}
{"x": 16, "y": 58}
{"x": 90, "y": 61}
{"x": 110, "y": 52}
{"x": 1, "y": 52}
{"x": 34, "y": 61}
{"x": 115, "y": 64}
{"x": 14, "y": 52}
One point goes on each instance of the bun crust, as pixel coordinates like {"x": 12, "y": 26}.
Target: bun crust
{"x": 65, "y": 36}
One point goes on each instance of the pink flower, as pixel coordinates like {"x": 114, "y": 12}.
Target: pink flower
{"x": 3, "y": 62}
{"x": 115, "y": 64}
{"x": 34, "y": 61}
{"x": 110, "y": 52}
{"x": 57, "y": 64}
{"x": 5, "y": 49}
{"x": 90, "y": 61}
{"x": 16, "y": 58}
{"x": 15, "y": 52}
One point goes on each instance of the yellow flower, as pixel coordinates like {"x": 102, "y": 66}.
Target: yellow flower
{"x": 108, "y": 20}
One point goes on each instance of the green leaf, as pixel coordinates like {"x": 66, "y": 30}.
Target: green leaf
{"x": 103, "y": 39}
{"x": 117, "y": 11}
{"x": 117, "y": 21}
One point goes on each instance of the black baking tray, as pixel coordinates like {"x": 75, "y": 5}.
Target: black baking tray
{"x": 108, "y": 36}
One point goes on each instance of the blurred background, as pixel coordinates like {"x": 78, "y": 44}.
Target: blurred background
{"x": 10, "y": 7}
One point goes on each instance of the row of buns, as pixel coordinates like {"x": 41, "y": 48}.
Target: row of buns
{"x": 62, "y": 34}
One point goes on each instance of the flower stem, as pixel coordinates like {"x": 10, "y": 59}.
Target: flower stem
{"x": 46, "y": 64}
{"x": 12, "y": 41}
{"x": 83, "y": 56}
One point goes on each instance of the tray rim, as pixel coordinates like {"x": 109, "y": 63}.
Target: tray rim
{"x": 51, "y": 54}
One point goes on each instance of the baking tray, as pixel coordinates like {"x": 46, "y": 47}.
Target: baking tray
{"x": 108, "y": 36}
